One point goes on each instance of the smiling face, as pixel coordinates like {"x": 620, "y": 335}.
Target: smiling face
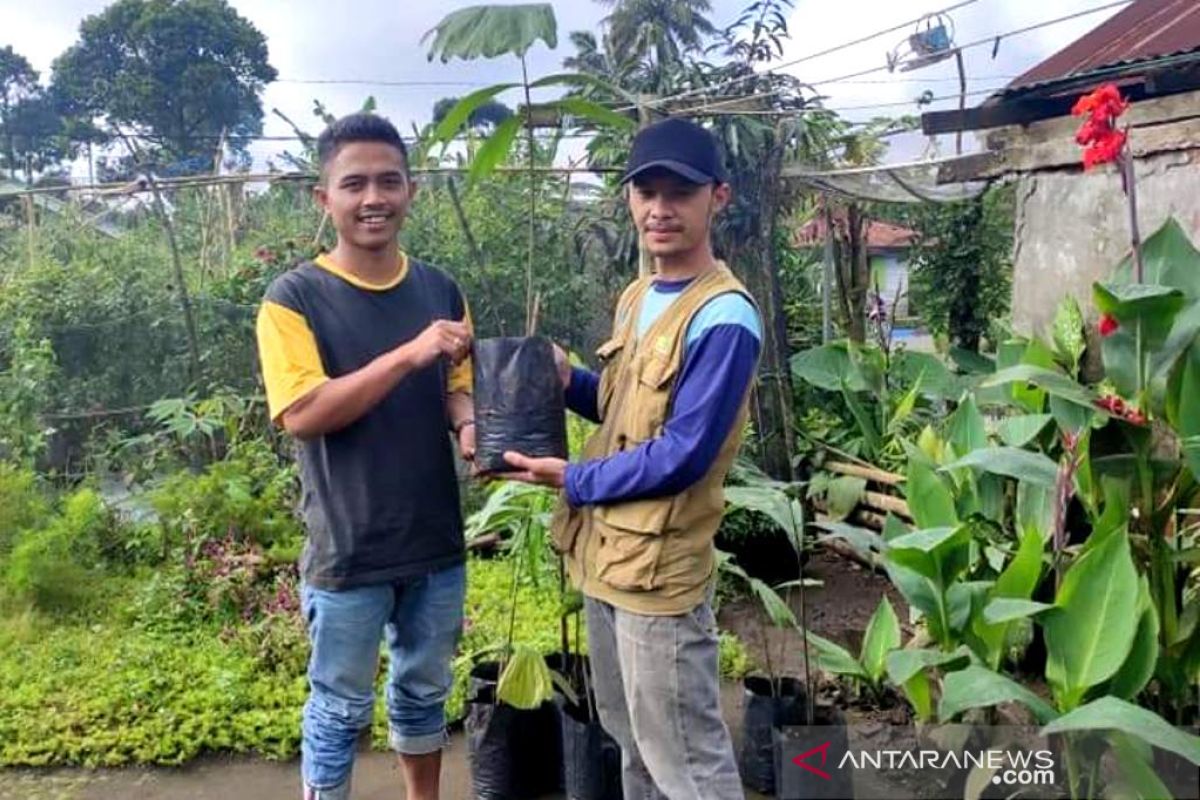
{"x": 366, "y": 190}
{"x": 674, "y": 215}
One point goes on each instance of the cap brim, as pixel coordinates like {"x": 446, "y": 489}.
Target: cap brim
{"x": 684, "y": 171}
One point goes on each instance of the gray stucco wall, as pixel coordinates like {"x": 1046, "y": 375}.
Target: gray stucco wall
{"x": 1072, "y": 229}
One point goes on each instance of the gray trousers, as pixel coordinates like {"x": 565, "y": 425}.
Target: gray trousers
{"x": 658, "y": 696}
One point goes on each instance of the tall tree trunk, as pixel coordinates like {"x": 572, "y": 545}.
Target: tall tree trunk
{"x": 854, "y": 274}
{"x": 773, "y": 399}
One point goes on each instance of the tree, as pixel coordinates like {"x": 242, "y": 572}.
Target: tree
{"x": 961, "y": 271}
{"x": 18, "y": 82}
{"x": 40, "y": 138}
{"x": 852, "y": 263}
{"x": 659, "y": 32}
{"x": 176, "y": 73}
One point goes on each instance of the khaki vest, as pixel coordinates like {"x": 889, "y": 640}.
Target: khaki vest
{"x": 652, "y": 556}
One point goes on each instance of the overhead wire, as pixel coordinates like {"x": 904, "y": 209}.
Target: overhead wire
{"x": 803, "y": 59}
{"x": 991, "y": 39}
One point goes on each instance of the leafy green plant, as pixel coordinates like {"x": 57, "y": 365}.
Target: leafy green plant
{"x": 870, "y": 666}
{"x": 123, "y": 696}
{"x": 961, "y": 265}
{"x": 1125, "y": 445}
{"x": 519, "y": 514}
{"x": 490, "y": 627}
{"x": 887, "y": 396}
{"x": 1100, "y": 658}
{"x": 26, "y": 373}
{"x": 734, "y": 662}
{"x": 22, "y": 504}
{"x": 776, "y": 501}
{"x": 250, "y": 494}
{"x": 489, "y": 31}
{"x": 54, "y": 566}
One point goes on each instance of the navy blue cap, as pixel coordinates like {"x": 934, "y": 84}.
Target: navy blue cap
{"x": 680, "y": 146}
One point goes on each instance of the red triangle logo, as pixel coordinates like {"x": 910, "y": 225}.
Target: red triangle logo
{"x": 802, "y": 760}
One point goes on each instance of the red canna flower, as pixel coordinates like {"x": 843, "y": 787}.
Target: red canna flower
{"x": 1099, "y": 136}
{"x": 1108, "y": 325}
{"x": 1104, "y": 149}
{"x": 1119, "y": 408}
{"x": 1103, "y": 105}
{"x": 1112, "y": 404}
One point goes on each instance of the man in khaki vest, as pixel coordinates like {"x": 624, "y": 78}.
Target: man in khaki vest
{"x": 641, "y": 508}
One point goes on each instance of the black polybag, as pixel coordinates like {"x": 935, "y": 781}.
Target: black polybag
{"x": 767, "y": 709}
{"x": 518, "y": 401}
{"x": 591, "y": 758}
{"x": 829, "y": 731}
{"x": 514, "y": 754}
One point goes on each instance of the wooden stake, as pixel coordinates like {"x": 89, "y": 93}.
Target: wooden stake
{"x": 645, "y": 260}
{"x": 30, "y": 227}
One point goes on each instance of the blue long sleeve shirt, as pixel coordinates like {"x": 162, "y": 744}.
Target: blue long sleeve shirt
{"x": 721, "y": 350}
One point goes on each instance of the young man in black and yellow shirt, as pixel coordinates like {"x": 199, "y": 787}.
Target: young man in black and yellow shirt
{"x": 364, "y": 356}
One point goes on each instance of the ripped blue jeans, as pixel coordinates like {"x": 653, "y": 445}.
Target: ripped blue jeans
{"x": 421, "y": 619}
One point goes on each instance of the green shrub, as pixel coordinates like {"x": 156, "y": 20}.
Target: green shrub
{"x": 22, "y": 505}
{"x": 740, "y": 524}
{"x": 735, "y": 662}
{"x": 54, "y": 567}
{"x": 249, "y": 495}
{"x": 106, "y": 695}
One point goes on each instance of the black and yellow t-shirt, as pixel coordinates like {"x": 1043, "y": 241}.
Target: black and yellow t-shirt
{"x": 380, "y": 497}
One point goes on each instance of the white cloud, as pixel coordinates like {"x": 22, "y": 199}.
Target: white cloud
{"x": 376, "y": 40}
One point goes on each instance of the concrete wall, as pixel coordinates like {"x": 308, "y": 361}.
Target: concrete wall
{"x": 1072, "y": 229}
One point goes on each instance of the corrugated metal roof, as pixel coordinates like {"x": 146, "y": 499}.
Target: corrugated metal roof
{"x": 1146, "y": 30}
{"x": 880, "y": 235}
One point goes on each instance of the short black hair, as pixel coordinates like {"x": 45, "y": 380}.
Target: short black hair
{"x": 360, "y": 127}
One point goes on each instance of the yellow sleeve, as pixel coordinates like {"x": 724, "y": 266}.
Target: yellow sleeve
{"x": 291, "y": 363}
{"x": 461, "y": 377}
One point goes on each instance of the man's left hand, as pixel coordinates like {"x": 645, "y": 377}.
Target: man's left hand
{"x": 541, "y": 471}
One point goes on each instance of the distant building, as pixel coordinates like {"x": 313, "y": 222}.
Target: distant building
{"x": 1072, "y": 227}
{"x": 888, "y": 248}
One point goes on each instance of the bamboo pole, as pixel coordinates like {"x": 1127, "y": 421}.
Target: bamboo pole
{"x": 886, "y": 502}
{"x": 870, "y": 473}
{"x": 847, "y": 552}
{"x": 860, "y": 516}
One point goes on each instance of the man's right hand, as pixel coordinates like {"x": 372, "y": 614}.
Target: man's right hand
{"x": 564, "y": 366}
{"x": 441, "y": 338}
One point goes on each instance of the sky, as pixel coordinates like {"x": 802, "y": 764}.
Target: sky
{"x": 380, "y": 40}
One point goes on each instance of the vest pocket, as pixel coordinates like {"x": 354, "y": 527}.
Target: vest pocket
{"x": 648, "y": 413}
{"x": 565, "y": 524}
{"x": 631, "y": 543}
{"x": 609, "y": 355}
